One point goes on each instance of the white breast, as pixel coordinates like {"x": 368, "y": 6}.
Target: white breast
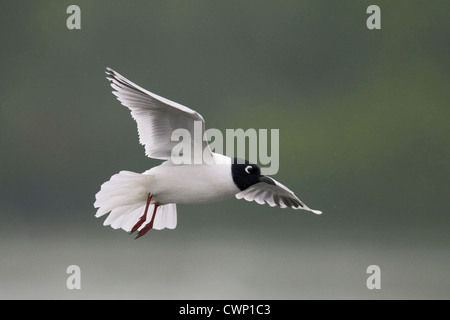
{"x": 193, "y": 183}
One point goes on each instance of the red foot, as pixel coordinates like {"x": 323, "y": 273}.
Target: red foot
{"x": 144, "y": 216}
{"x": 149, "y": 225}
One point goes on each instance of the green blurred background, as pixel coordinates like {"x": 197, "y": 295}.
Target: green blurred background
{"x": 364, "y": 137}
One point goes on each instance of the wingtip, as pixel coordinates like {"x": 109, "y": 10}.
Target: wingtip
{"x": 318, "y": 212}
{"x": 110, "y": 72}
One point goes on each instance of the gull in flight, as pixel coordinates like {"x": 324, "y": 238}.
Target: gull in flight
{"x": 138, "y": 202}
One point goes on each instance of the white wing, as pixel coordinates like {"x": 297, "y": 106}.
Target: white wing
{"x": 274, "y": 194}
{"x": 157, "y": 117}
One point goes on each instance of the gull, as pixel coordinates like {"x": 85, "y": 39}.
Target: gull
{"x": 143, "y": 201}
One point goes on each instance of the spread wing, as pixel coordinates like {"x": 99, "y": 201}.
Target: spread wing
{"x": 157, "y": 118}
{"x": 273, "y": 193}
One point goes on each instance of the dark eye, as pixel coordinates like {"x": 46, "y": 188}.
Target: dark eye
{"x": 248, "y": 169}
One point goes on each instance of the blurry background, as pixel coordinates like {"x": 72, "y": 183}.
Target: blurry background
{"x": 364, "y": 137}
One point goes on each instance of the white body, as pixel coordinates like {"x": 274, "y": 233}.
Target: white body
{"x": 200, "y": 183}
{"x": 125, "y": 194}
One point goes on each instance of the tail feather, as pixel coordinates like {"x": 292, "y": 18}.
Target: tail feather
{"x": 119, "y": 211}
{"x": 124, "y": 196}
{"x": 130, "y": 217}
{"x": 166, "y": 217}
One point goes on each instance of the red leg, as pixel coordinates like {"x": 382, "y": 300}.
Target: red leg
{"x": 145, "y": 229}
{"x": 144, "y": 216}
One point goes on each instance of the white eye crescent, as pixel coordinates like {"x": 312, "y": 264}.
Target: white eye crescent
{"x": 248, "y": 169}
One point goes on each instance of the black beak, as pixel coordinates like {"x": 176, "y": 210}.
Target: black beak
{"x": 266, "y": 180}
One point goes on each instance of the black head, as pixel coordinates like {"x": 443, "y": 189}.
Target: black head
{"x": 245, "y": 174}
